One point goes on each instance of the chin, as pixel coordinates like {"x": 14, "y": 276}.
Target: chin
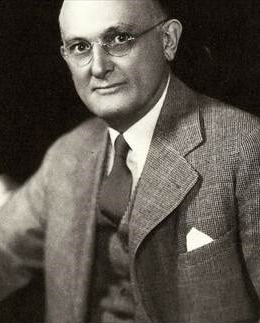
{"x": 109, "y": 107}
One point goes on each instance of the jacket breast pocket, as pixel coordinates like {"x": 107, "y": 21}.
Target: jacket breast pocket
{"x": 211, "y": 283}
{"x": 221, "y": 246}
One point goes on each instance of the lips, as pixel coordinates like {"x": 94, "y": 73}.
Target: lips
{"x": 108, "y": 88}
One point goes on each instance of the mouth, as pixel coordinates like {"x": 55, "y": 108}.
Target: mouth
{"x": 108, "y": 89}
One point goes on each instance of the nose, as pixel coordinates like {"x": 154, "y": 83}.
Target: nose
{"x": 101, "y": 63}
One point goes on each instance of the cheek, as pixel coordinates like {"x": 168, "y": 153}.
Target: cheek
{"x": 149, "y": 67}
{"x": 80, "y": 78}
{"x": 144, "y": 80}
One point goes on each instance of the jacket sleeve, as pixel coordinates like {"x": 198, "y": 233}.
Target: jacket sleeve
{"x": 22, "y": 223}
{"x": 248, "y": 197}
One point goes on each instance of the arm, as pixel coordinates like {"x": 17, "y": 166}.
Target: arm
{"x": 248, "y": 195}
{"x": 22, "y": 234}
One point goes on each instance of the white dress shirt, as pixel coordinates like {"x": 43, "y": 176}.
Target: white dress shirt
{"x": 138, "y": 137}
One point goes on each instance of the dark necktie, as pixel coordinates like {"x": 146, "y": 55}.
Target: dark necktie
{"x": 116, "y": 189}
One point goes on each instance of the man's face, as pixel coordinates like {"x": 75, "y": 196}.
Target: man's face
{"x": 118, "y": 89}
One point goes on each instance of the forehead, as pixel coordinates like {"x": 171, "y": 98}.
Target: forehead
{"x": 95, "y": 16}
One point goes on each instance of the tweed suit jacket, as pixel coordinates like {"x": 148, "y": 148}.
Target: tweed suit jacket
{"x": 202, "y": 171}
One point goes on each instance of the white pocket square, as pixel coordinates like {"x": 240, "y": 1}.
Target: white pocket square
{"x": 196, "y": 239}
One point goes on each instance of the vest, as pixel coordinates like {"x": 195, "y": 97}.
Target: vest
{"x": 111, "y": 297}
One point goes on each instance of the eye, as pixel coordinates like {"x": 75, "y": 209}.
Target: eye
{"x": 121, "y": 38}
{"x": 80, "y": 48}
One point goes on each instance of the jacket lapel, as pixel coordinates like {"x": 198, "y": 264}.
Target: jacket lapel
{"x": 167, "y": 176}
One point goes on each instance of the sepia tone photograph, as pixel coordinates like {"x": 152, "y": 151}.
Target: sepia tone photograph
{"x": 129, "y": 161}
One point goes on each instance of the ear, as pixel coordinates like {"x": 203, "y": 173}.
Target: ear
{"x": 172, "y": 30}
{"x": 63, "y": 54}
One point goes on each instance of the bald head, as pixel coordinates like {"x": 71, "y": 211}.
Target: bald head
{"x": 141, "y": 10}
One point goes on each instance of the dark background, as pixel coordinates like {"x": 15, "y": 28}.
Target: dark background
{"x": 37, "y": 98}
{"x": 219, "y": 55}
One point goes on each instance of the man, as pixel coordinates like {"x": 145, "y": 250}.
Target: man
{"x": 165, "y": 230}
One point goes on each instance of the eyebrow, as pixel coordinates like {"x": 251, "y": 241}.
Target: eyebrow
{"x": 119, "y": 27}
{"x": 110, "y": 30}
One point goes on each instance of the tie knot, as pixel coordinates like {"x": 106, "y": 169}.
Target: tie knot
{"x": 121, "y": 147}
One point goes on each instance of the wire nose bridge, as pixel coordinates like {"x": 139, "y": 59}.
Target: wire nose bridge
{"x": 99, "y": 42}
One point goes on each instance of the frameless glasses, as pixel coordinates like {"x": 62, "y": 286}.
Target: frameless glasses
{"x": 119, "y": 44}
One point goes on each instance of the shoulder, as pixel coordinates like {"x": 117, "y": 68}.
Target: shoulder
{"x": 215, "y": 114}
{"x": 228, "y": 130}
{"x": 224, "y": 121}
{"x": 225, "y": 115}
{"x": 218, "y": 119}
{"x": 78, "y": 143}
{"x": 85, "y": 135}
